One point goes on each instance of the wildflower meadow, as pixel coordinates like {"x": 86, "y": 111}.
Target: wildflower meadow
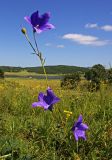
{"x": 40, "y": 120}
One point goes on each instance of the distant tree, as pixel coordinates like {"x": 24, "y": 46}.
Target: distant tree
{"x": 100, "y": 72}
{"x": 95, "y": 75}
{"x": 109, "y": 75}
{"x": 88, "y": 75}
{"x": 1, "y": 74}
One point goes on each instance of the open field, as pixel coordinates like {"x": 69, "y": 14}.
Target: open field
{"x": 32, "y": 75}
{"x": 25, "y": 73}
{"x": 34, "y": 134}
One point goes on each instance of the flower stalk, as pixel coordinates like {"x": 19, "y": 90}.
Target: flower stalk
{"x": 37, "y": 52}
{"x": 39, "y": 24}
{"x": 77, "y": 147}
{"x": 30, "y": 42}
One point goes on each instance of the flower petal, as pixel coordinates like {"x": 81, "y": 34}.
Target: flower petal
{"x": 55, "y": 100}
{"x": 80, "y": 119}
{"x": 38, "y": 30}
{"x": 77, "y": 123}
{"x": 28, "y": 19}
{"x": 44, "y": 27}
{"x": 46, "y": 106}
{"x": 83, "y": 126}
{"x": 76, "y": 136}
{"x": 50, "y": 92}
{"x": 49, "y": 97}
{"x": 35, "y": 19}
{"x": 40, "y": 96}
{"x": 49, "y": 26}
{"x": 44, "y": 19}
{"x": 80, "y": 134}
{"x": 36, "y": 104}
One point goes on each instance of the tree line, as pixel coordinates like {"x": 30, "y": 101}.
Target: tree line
{"x": 59, "y": 69}
{"x": 95, "y": 76}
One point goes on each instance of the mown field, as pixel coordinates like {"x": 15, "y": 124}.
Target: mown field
{"x": 34, "y": 134}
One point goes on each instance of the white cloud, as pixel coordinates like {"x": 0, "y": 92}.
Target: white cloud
{"x": 48, "y": 44}
{"x": 107, "y": 28}
{"x": 86, "y": 39}
{"x": 60, "y": 46}
{"x": 56, "y": 46}
{"x": 91, "y": 25}
{"x": 95, "y": 25}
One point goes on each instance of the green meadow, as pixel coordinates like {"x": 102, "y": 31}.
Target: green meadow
{"x": 34, "y": 134}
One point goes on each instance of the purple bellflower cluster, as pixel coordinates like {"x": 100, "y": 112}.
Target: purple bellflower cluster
{"x": 39, "y": 24}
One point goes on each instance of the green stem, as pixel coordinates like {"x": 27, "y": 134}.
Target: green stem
{"x": 41, "y": 59}
{"x": 44, "y": 73}
{"x": 35, "y": 42}
{"x": 5, "y": 156}
{"x": 30, "y": 43}
{"x": 77, "y": 147}
{"x": 37, "y": 52}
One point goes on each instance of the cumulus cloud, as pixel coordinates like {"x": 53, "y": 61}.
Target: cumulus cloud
{"x": 107, "y": 28}
{"x": 91, "y": 25}
{"x": 85, "y": 39}
{"x": 60, "y": 46}
{"x": 95, "y": 25}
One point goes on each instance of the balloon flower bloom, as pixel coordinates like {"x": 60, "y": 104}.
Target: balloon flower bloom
{"x": 79, "y": 129}
{"x": 38, "y": 22}
{"x": 46, "y": 101}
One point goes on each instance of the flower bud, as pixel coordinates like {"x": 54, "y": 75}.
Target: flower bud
{"x": 23, "y": 30}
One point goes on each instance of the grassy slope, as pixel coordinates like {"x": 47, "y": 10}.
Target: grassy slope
{"x": 29, "y": 133}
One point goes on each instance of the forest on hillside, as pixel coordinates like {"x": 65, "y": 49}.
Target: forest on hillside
{"x": 59, "y": 69}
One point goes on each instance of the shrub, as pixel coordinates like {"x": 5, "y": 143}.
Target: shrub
{"x": 71, "y": 80}
{"x": 1, "y": 74}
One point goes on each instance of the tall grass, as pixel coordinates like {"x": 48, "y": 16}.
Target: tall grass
{"x": 34, "y": 134}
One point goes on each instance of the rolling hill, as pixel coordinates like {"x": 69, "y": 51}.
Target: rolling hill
{"x": 59, "y": 69}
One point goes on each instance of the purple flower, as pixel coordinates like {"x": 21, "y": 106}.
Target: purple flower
{"x": 39, "y": 23}
{"x": 46, "y": 101}
{"x": 79, "y": 129}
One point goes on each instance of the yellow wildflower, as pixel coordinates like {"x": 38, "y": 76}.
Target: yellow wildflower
{"x": 68, "y": 114}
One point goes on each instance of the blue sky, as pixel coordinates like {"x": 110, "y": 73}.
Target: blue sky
{"x": 83, "y": 34}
